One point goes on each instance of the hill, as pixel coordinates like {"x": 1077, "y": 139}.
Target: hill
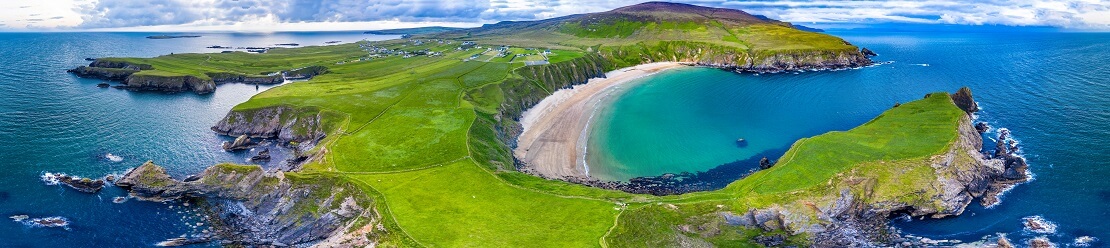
{"x": 412, "y": 31}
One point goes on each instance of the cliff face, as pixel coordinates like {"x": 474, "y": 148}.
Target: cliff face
{"x": 224, "y": 77}
{"x": 286, "y": 124}
{"x": 523, "y": 94}
{"x": 168, "y": 83}
{"x": 128, "y": 74}
{"x": 254, "y": 208}
{"x": 858, "y": 216}
{"x": 735, "y": 59}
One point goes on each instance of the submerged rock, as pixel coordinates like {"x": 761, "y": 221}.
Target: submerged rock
{"x": 765, "y": 163}
{"x": 262, "y": 156}
{"x": 87, "y": 185}
{"x": 1038, "y": 224}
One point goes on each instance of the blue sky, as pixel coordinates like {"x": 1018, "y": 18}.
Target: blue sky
{"x": 280, "y": 15}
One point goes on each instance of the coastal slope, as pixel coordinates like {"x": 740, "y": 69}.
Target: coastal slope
{"x": 424, "y": 129}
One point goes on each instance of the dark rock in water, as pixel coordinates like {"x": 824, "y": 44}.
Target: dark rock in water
{"x": 90, "y": 59}
{"x": 982, "y": 127}
{"x": 868, "y": 52}
{"x": 1041, "y": 242}
{"x": 765, "y": 163}
{"x": 183, "y": 241}
{"x": 1003, "y": 242}
{"x": 741, "y": 142}
{"x": 50, "y": 222}
{"x": 240, "y": 143}
{"x": 264, "y": 155}
{"x": 963, "y": 99}
{"x": 86, "y": 185}
{"x": 103, "y": 85}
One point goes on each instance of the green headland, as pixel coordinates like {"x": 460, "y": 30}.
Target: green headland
{"x": 408, "y": 142}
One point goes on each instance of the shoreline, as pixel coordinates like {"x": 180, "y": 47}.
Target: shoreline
{"x": 554, "y": 131}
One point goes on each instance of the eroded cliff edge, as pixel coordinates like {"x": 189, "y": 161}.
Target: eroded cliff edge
{"x": 144, "y": 77}
{"x": 255, "y": 208}
{"x": 852, "y": 207}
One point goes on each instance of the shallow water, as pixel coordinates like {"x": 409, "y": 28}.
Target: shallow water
{"x": 55, "y": 122}
{"x": 1049, "y": 88}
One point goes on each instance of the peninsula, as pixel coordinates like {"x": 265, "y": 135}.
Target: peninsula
{"x": 411, "y": 142}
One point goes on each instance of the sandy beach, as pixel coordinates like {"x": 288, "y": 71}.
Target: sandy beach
{"x": 553, "y": 142}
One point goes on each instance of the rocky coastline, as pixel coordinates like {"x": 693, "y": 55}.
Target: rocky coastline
{"x": 131, "y": 77}
{"x": 299, "y": 128}
{"x": 964, "y": 173}
{"x": 251, "y": 207}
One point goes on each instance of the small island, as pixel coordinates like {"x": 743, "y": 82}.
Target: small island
{"x": 162, "y": 37}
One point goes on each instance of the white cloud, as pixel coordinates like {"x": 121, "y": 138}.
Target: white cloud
{"x": 334, "y": 14}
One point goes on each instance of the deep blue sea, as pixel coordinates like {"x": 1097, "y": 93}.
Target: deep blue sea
{"x": 1051, "y": 89}
{"x": 51, "y": 121}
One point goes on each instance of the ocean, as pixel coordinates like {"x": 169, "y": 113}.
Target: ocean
{"x": 54, "y": 122}
{"x": 1049, "y": 88}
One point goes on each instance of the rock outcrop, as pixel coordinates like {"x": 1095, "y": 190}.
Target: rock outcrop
{"x": 964, "y": 100}
{"x": 301, "y": 127}
{"x": 251, "y": 207}
{"x": 224, "y": 77}
{"x": 857, "y": 216}
{"x": 129, "y": 74}
{"x": 242, "y": 142}
{"x": 180, "y": 83}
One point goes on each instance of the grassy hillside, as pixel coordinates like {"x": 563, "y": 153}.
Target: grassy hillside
{"x": 424, "y": 126}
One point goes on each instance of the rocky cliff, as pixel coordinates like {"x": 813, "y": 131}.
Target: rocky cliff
{"x": 133, "y": 77}
{"x": 251, "y": 207}
{"x": 858, "y": 216}
{"x": 735, "y": 59}
{"x": 177, "y": 83}
{"x": 301, "y": 127}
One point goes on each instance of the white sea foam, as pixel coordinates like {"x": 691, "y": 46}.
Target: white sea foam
{"x": 1084, "y": 241}
{"x": 113, "y": 158}
{"x": 1038, "y": 224}
{"x": 50, "y": 178}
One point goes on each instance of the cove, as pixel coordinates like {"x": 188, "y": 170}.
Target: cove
{"x": 1048, "y": 88}
{"x": 690, "y": 119}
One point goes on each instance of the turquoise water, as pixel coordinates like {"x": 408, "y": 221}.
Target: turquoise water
{"x": 1051, "y": 89}
{"x": 54, "y": 122}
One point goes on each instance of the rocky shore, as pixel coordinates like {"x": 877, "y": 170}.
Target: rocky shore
{"x": 296, "y": 127}
{"x": 964, "y": 174}
{"x": 133, "y": 77}
{"x": 250, "y": 207}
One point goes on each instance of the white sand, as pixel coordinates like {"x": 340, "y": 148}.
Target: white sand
{"x": 555, "y": 130}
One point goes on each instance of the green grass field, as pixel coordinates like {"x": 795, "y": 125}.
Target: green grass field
{"x": 419, "y": 134}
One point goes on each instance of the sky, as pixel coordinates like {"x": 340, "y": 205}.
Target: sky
{"x": 320, "y": 15}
